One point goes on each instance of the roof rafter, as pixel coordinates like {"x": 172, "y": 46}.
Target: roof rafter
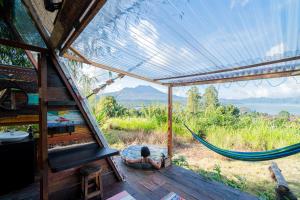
{"x": 83, "y": 59}
{"x": 233, "y": 68}
{"x": 22, "y": 45}
{"x": 241, "y": 78}
{"x": 68, "y": 26}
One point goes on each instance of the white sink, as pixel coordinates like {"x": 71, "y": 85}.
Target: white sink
{"x": 12, "y": 136}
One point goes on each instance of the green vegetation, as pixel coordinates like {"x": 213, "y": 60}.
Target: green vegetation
{"x": 237, "y": 182}
{"x": 225, "y": 126}
{"x": 222, "y": 125}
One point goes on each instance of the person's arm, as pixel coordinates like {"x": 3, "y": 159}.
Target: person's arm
{"x": 130, "y": 161}
{"x": 155, "y": 164}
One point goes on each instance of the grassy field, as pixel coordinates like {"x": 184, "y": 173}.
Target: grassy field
{"x": 261, "y": 135}
{"x": 252, "y": 177}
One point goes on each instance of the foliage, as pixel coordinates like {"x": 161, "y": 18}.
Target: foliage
{"x": 210, "y": 98}
{"x": 193, "y": 100}
{"x": 216, "y": 175}
{"x": 108, "y": 107}
{"x": 285, "y": 115}
{"x": 85, "y": 80}
{"x": 180, "y": 161}
{"x": 237, "y": 182}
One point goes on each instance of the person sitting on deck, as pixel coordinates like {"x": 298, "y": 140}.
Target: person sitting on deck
{"x": 145, "y": 153}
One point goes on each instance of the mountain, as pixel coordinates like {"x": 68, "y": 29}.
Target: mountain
{"x": 142, "y": 95}
{"x": 145, "y": 95}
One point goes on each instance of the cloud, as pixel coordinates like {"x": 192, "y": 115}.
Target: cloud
{"x": 276, "y": 50}
{"x": 146, "y": 36}
{"x": 271, "y": 88}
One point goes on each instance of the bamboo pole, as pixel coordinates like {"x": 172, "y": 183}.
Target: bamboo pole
{"x": 170, "y": 134}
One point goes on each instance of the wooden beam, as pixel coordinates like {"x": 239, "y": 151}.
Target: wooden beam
{"x": 87, "y": 16}
{"x": 241, "y": 78}
{"x": 22, "y": 45}
{"x": 16, "y": 73}
{"x": 72, "y": 18}
{"x": 106, "y": 67}
{"x": 170, "y": 131}
{"x": 43, "y": 130}
{"x": 282, "y": 189}
{"x": 233, "y": 68}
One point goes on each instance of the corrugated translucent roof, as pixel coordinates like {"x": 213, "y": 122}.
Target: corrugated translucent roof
{"x": 183, "y": 41}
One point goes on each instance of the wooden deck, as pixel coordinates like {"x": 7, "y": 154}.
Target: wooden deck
{"x": 155, "y": 184}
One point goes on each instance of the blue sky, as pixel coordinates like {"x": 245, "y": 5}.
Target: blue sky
{"x": 273, "y": 88}
{"x": 176, "y": 37}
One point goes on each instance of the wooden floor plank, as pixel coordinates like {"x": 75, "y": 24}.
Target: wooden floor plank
{"x": 187, "y": 184}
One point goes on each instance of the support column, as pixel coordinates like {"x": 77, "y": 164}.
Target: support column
{"x": 43, "y": 131}
{"x": 170, "y": 134}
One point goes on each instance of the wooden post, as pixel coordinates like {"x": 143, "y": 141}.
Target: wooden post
{"x": 170, "y": 134}
{"x": 43, "y": 131}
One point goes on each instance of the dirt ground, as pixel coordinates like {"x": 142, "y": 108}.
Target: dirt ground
{"x": 256, "y": 173}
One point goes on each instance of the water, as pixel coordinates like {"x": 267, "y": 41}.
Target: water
{"x": 134, "y": 152}
{"x": 271, "y": 108}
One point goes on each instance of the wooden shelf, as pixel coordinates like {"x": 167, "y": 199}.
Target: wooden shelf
{"x": 73, "y": 157}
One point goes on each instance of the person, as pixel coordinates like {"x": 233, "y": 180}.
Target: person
{"x": 145, "y": 158}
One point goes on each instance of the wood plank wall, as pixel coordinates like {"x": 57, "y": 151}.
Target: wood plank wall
{"x": 64, "y": 184}
{"x": 67, "y": 183}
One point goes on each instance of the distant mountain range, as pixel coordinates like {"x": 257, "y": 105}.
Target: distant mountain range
{"x": 142, "y": 95}
{"x": 145, "y": 95}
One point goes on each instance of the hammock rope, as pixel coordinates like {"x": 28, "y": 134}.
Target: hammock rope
{"x": 250, "y": 156}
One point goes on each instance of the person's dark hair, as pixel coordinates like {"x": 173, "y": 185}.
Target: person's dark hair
{"x": 145, "y": 152}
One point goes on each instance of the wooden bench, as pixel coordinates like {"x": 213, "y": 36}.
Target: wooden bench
{"x": 68, "y": 158}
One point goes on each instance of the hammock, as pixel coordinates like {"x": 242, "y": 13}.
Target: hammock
{"x": 250, "y": 156}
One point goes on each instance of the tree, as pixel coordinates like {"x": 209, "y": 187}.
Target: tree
{"x": 193, "y": 100}
{"x": 108, "y": 107}
{"x": 210, "y": 98}
{"x": 285, "y": 115}
{"x": 11, "y": 55}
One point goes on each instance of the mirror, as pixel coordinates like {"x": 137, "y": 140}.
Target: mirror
{"x": 13, "y": 98}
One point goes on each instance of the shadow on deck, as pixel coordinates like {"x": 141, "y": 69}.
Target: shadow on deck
{"x": 155, "y": 184}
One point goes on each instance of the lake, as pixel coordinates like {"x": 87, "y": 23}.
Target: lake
{"x": 271, "y": 108}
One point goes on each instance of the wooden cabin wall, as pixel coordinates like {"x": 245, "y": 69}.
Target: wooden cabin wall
{"x": 61, "y": 103}
{"x": 66, "y": 184}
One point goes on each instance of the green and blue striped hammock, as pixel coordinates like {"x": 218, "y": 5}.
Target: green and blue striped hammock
{"x": 250, "y": 156}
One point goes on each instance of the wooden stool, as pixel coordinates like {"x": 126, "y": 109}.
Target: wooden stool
{"x": 91, "y": 183}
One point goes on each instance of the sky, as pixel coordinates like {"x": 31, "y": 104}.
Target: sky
{"x": 272, "y": 88}
{"x": 177, "y": 37}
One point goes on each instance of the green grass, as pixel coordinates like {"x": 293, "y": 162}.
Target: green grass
{"x": 131, "y": 124}
{"x": 259, "y": 136}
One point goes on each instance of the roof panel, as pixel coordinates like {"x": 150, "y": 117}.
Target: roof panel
{"x": 25, "y": 26}
{"x": 163, "y": 38}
